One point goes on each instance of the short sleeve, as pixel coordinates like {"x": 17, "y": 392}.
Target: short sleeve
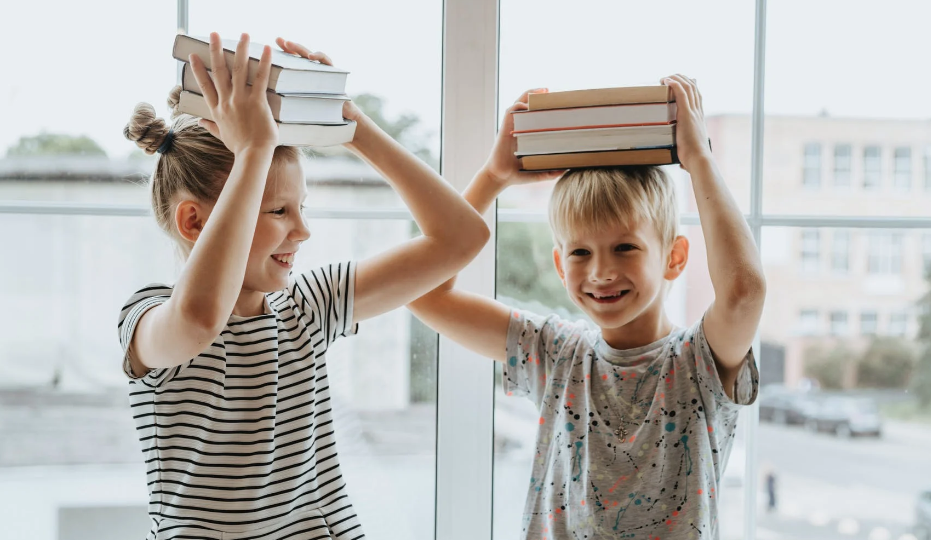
{"x": 536, "y": 347}
{"x": 137, "y": 305}
{"x": 324, "y": 298}
{"x": 705, "y": 371}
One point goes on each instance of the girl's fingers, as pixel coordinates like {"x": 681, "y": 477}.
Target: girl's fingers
{"x": 300, "y": 50}
{"x": 320, "y": 57}
{"x": 262, "y": 74}
{"x": 203, "y": 80}
{"x": 221, "y": 73}
{"x": 241, "y": 64}
{"x": 209, "y": 126}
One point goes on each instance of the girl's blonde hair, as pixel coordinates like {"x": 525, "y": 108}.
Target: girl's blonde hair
{"x": 191, "y": 161}
{"x": 584, "y": 200}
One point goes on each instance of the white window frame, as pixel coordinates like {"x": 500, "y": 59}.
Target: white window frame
{"x": 809, "y": 322}
{"x": 902, "y": 168}
{"x": 872, "y": 167}
{"x": 869, "y": 315}
{"x": 840, "y": 251}
{"x": 465, "y": 401}
{"x": 839, "y": 323}
{"x": 810, "y": 251}
{"x": 898, "y": 324}
{"x": 885, "y": 253}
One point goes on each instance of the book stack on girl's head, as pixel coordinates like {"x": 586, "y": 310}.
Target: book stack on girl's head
{"x": 306, "y": 97}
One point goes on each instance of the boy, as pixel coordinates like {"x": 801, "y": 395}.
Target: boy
{"x": 637, "y": 416}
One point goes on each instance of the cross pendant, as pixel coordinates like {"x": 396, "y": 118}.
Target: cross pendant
{"x": 621, "y": 433}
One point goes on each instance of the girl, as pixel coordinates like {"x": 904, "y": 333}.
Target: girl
{"x": 228, "y": 372}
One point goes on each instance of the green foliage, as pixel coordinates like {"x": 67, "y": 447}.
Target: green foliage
{"x": 921, "y": 380}
{"x": 47, "y": 144}
{"x": 828, "y": 366}
{"x": 401, "y": 129}
{"x": 886, "y": 363}
{"x": 525, "y": 266}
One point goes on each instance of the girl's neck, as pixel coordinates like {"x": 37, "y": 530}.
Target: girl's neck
{"x": 249, "y": 304}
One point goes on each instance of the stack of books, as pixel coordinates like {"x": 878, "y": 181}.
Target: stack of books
{"x": 306, "y": 97}
{"x": 634, "y": 125}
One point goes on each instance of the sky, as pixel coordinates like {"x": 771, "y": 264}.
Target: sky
{"x": 848, "y": 57}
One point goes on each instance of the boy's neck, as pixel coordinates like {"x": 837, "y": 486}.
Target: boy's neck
{"x": 646, "y": 329}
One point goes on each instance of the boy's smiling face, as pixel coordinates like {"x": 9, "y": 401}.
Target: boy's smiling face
{"x": 617, "y": 275}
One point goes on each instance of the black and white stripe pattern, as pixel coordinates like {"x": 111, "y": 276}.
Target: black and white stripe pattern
{"x": 239, "y": 441}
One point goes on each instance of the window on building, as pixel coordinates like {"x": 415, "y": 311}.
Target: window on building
{"x": 839, "y": 323}
{"x": 872, "y": 167}
{"x": 898, "y": 324}
{"x": 885, "y": 253}
{"x": 809, "y": 322}
{"x": 840, "y": 252}
{"x": 811, "y": 250}
{"x": 842, "y": 165}
{"x": 902, "y": 177}
{"x": 811, "y": 168}
{"x": 868, "y": 323}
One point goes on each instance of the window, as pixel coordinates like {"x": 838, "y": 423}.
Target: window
{"x": 926, "y": 158}
{"x": 872, "y": 167}
{"x": 840, "y": 252}
{"x": 839, "y": 323}
{"x": 885, "y": 253}
{"x": 926, "y": 253}
{"x": 811, "y": 168}
{"x": 809, "y": 322}
{"x": 902, "y": 179}
{"x": 811, "y": 250}
{"x": 842, "y": 165}
{"x": 868, "y": 323}
{"x": 898, "y": 324}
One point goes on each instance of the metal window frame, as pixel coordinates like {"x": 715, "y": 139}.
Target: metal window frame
{"x": 465, "y": 402}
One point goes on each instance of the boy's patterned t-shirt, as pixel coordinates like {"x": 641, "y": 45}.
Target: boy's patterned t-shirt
{"x": 631, "y": 443}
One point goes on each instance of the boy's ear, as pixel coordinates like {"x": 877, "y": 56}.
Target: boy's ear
{"x": 678, "y": 257}
{"x": 190, "y": 217}
{"x": 557, "y": 262}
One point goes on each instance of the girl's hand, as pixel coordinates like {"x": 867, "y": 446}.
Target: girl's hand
{"x": 691, "y": 135}
{"x": 502, "y": 165}
{"x": 350, "y": 111}
{"x": 242, "y": 118}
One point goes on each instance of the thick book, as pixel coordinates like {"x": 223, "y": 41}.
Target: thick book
{"x": 290, "y": 74}
{"x": 650, "y": 156}
{"x": 288, "y": 134}
{"x": 288, "y": 108}
{"x": 644, "y": 114}
{"x": 595, "y": 140}
{"x": 598, "y": 97}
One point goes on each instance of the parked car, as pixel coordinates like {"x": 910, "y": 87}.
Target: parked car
{"x": 846, "y": 416}
{"x": 787, "y": 407}
{"x": 923, "y": 516}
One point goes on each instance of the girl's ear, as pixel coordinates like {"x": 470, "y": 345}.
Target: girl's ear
{"x": 190, "y": 217}
{"x": 557, "y": 262}
{"x": 678, "y": 257}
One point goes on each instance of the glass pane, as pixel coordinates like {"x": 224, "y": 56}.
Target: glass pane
{"x": 543, "y": 44}
{"x": 526, "y": 279}
{"x": 70, "y": 460}
{"x": 404, "y": 101}
{"x": 878, "y": 142}
{"x": 56, "y": 122}
{"x": 844, "y": 440}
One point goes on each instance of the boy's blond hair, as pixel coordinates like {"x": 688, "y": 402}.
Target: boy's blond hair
{"x": 590, "y": 199}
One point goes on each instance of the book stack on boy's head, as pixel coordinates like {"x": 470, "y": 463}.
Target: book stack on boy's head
{"x": 306, "y": 97}
{"x": 634, "y": 125}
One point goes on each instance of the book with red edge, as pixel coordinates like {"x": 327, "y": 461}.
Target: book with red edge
{"x": 598, "y": 97}
{"x": 638, "y": 114}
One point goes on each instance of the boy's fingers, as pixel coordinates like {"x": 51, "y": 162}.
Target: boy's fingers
{"x": 218, "y": 63}
{"x": 203, "y": 80}
{"x": 682, "y": 98}
{"x": 526, "y": 95}
{"x": 209, "y": 126}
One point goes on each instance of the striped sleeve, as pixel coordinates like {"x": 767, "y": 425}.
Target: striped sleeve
{"x": 137, "y": 305}
{"x": 324, "y": 298}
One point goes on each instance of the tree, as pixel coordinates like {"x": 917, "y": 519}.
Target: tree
{"x": 401, "y": 129}
{"x": 886, "y": 363}
{"x": 47, "y": 144}
{"x": 921, "y": 379}
{"x": 829, "y": 367}
{"x": 525, "y": 266}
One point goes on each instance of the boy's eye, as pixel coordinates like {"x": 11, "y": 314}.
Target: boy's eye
{"x": 278, "y": 211}
{"x": 579, "y": 252}
{"x": 625, "y": 247}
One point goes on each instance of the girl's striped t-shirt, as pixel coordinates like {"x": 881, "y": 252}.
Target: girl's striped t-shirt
{"x": 239, "y": 441}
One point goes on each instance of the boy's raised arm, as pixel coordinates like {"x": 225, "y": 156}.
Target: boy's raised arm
{"x": 733, "y": 259}
{"x": 474, "y": 321}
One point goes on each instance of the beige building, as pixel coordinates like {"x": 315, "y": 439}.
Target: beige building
{"x": 830, "y": 284}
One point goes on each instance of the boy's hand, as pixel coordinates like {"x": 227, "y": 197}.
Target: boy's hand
{"x": 502, "y": 165}
{"x": 350, "y": 110}
{"x": 691, "y": 136}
